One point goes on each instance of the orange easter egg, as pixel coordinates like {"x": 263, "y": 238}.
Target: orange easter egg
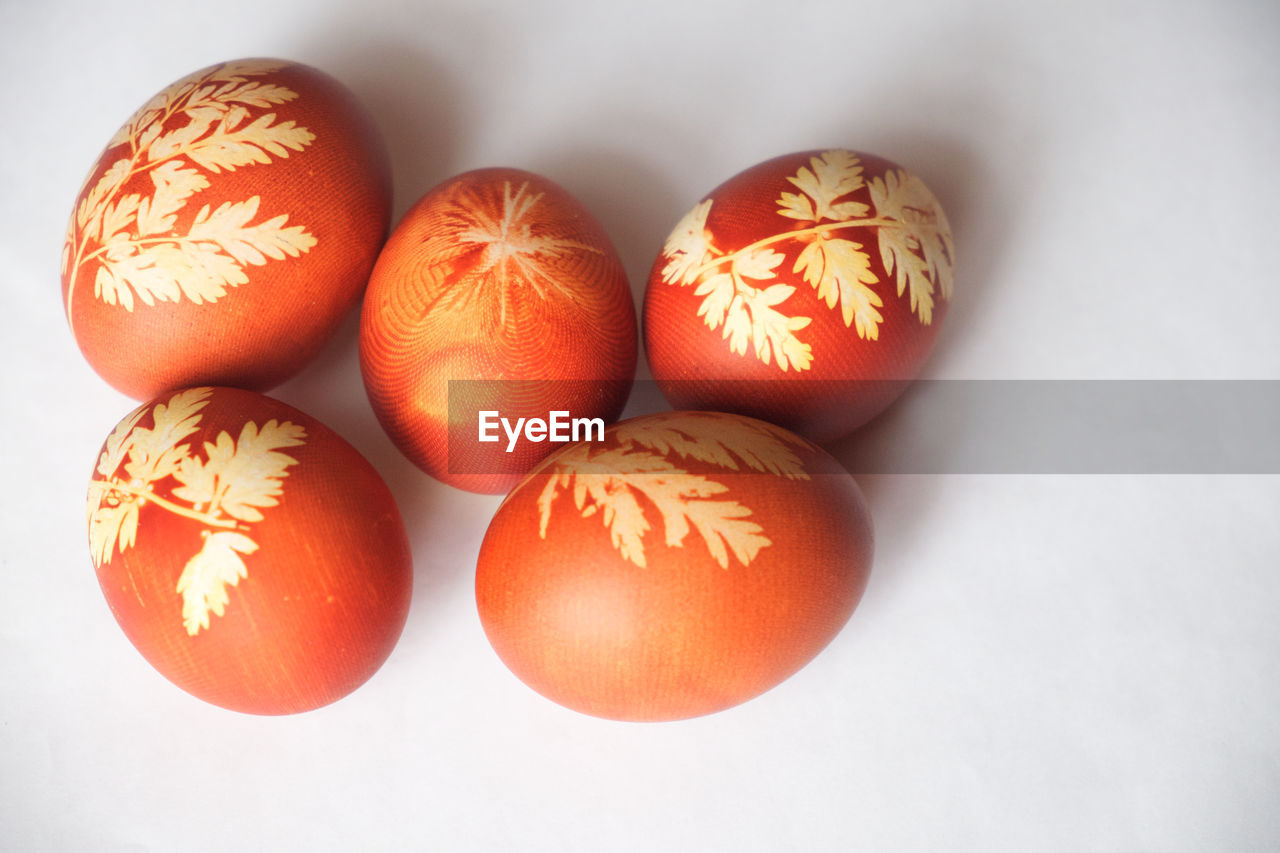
{"x": 250, "y": 554}
{"x": 226, "y": 229}
{"x": 497, "y": 293}
{"x": 806, "y": 290}
{"x": 686, "y": 563}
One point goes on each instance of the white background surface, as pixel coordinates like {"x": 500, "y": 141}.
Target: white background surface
{"x": 1040, "y": 662}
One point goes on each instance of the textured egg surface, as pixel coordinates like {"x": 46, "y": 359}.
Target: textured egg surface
{"x": 226, "y": 229}
{"x": 687, "y": 563}
{"x": 806, "y": 290}
{"x": 250, "y": 554}
{"x": 501, "y": 282}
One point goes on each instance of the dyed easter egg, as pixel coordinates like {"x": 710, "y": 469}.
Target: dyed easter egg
{"x": 686, "y": 563}
{"x": 226, "y": 229}
{"x": 250, "y": 554}
{"x": 806, "y": 290}
{"x": 497, "y": 293}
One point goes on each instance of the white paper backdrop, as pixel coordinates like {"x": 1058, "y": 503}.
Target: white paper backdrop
{"x": 1040, "y": 662}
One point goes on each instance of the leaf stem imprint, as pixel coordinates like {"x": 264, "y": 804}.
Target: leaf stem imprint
{"x": 698, "y": 272}
{"x": 135, "y": 152}
{"x": 149, "y": 496}
{"x": 141, "y": 132}
{"x": 84, "y": 237}
{"x": 176, "y": 239}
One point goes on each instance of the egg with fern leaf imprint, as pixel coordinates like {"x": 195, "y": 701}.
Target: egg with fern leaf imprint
{"x": 226, "y": 229}
{"x": 806, "y": 290}
{"x": 685, "y": 564}
{"x": 251, "y": 555}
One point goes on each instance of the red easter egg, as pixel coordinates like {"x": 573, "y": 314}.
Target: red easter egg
{"x": 806, "y": 290}
{"x": 498, "y": 292}
{"x": 226, "y": 229}
{"x": 250, "y": 554}
{"x": 686, "y": 563}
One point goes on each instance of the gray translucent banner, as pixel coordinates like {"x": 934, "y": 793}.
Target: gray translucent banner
{"x": 1073, "y": 427}
{"x": 994, "y": 426}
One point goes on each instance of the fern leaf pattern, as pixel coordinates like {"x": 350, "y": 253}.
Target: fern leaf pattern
{"x": 644, "y": 465}
{"x": 206, "y": 576}
{"x": 919, "y": 245}
{"x": 224, "y": 492}
{"x": 741, "y": 292}
{"x": 130, "y": 243}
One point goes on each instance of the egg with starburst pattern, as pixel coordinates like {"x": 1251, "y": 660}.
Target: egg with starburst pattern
{"x": 497, "y": 293}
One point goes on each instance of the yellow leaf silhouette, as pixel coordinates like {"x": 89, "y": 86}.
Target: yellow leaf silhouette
{"x": 230, "y": 145}
{"x": 612, "y": 482}
{"x": 139, "y": 255}
{"x": 688, "y": 246}
{"x": 919, "y": 244}
{"x": 112, "y": 526}
{"x": 718, "y": 440}
{"x": 250, "y": 92}
{"x": 829, "y": 176}
{"x": 752, "y": 319}
{"x": 840, "y": 271}
{"x": 597, "y": 487}
{"x": 759, "y": 264}
{"x": 119, "y": 443}
{"x": 914, "y": 241}
{"x": 204, "y": 263}
{"x": 717, "y": 291}
{"x": 238, "y": 70}
{"x": 224, "y": 493}
{"x": 117, "y": 217}
{"x": 147, "y": 455}
{"x": 89, "y": 211}
{"x": 243, "y": 475}
{"x": 174, "y": 185}
{"x": 747, "y": 312}
{"x": 206, "y": 576}
{"x": 228, "y": 228}
{"x": 719, "y": 523}
{"x": 155, "y": 453}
